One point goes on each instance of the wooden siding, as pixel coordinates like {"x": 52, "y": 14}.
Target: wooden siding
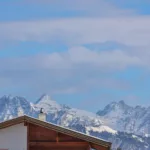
{"x": 47, "y": 139}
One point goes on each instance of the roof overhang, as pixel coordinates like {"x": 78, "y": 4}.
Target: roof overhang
{"x": 27, "y": 119}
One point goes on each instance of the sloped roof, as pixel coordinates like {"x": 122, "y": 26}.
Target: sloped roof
{"x": 57, "y": 128}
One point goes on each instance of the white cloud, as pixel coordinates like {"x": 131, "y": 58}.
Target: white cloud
{"x": 76, "y": 56}
{"x": 84, "y": 7}
{"x": 133, "y": 31}
{"x": 76, "y": 70}
{"x": 105, "y": 59}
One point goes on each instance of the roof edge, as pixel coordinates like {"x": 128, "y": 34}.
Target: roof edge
{"x": 55, "y": 127}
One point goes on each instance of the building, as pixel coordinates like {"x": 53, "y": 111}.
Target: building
{"x": 27, "y": 133}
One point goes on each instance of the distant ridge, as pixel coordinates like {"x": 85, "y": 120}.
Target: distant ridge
{"x": 114, "y": 123}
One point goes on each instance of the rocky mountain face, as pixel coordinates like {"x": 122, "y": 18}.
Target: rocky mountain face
{"x": 109, "y": 124}
{"x": 10, "y": 106}
{"x": 126, "y": 118}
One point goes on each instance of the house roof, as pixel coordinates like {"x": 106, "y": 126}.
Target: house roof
{"x": 57, "y": 128}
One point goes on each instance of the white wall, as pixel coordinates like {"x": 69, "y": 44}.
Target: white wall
{"x": 14, "y": 137}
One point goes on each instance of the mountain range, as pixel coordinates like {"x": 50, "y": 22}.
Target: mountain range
{"x": 125, "y": 126}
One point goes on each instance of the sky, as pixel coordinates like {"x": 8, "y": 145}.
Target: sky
{"x": 83, "y": 53}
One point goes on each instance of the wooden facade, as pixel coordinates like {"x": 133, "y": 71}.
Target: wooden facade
{"x": 45, "y": 136}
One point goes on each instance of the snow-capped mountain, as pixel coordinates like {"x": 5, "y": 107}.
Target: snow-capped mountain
{"x": 125, "y": 118}
{"x": 10, "y": 107}
{"x": 89, "y": 123}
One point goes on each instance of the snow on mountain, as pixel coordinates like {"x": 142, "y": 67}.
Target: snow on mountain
{"x": 47, "y": 103}
{"x": 122, "y": 117}
{"x": 53, "y": 110}
{"x": 103, "y": 124}
{"x": 10, "y": 106}
{"x": 101, "y": 128}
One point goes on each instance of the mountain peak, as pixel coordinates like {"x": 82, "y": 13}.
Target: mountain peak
{"x": 137, "y": 121}
{"x": 9, "y": 96}
{"x": 44, "y": 97}
{"x": 121, "y": 102}
{"x": 47, "y": 103}
{"x": 114, "y": 107}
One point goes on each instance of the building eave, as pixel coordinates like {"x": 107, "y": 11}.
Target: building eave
{"x": 48, "y": 125}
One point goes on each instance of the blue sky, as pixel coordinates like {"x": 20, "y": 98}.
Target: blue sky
{"x": 85, "y": 54}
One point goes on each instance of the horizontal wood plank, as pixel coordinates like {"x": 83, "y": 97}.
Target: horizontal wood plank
{"x": 59, "y": 143}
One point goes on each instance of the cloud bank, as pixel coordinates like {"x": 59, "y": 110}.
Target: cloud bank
{"x": 133, "y": 31}
{"x": 78, "y": 69}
